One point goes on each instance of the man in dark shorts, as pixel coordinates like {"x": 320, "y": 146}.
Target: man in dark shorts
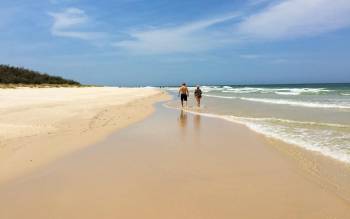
{"x": 183, "y": 93}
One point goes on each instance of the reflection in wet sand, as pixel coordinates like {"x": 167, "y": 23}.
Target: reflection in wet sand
{"x": 194, "y": 127}
{"x": 182, "y": 119}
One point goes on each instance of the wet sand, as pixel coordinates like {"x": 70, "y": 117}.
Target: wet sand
{"x": 172, "y": 165}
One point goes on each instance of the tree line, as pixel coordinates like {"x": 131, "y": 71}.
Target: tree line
{"x": 19, "y": 75}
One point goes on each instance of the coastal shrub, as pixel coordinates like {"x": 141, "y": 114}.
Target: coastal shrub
{"x": 19, "y": 75}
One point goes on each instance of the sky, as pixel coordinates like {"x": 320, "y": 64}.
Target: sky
{"x": 167, "y": 42}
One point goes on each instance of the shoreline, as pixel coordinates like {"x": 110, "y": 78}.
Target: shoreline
{"x": 41, "y": 130}
{"x": 235, "y": 120}
{"x": 184, "y": 170}
{"x": 327, "y": 171}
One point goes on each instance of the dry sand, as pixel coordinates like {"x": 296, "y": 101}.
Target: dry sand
{"x": 173, "y": 165}
{"x": 39, "y": 125}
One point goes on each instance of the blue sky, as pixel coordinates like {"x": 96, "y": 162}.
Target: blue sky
{"x": 157, "y": 42}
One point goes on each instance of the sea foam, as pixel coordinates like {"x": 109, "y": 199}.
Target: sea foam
{"x": 341, "y": 105}
{"x": 323, "y": 141}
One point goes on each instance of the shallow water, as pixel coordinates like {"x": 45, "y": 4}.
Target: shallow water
{"x": 315, "y": 117}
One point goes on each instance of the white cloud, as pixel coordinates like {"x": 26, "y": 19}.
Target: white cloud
{"x": 189, "y": 37}
{"x": 250, "y": 56}
{"x": 258, "y": 2}
{"x": 60, "y": 1}
{"x": 279, "y": 20}
{"x": 70, "y": 18}
{"x": 279, "y": 61}
{"x": 297, "y": 18}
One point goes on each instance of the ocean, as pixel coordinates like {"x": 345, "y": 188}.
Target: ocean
{"x": 312, "y": 116}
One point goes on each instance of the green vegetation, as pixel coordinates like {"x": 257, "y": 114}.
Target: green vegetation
{"x": 13, "y": 76}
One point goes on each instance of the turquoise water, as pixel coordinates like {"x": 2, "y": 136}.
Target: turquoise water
{"x": 315, "y": 117}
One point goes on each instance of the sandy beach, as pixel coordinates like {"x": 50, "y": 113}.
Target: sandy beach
{"x": 129, "y": 109}
{"x": 39, "y": 125}
{"x": 173, "y": 165}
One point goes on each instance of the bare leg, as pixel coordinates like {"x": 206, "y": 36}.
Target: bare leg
{"x": 198, "y": 101}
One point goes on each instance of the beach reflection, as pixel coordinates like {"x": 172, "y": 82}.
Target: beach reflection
{"x": 183, "y": 119}
{"x": 190, "y": 123}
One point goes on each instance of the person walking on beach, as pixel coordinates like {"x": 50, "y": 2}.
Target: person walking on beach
{"x": 198, "y": 95}
{"x": 183, "y": 93}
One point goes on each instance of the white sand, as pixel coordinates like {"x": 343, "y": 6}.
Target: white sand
{"x": 40, "y": 124}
